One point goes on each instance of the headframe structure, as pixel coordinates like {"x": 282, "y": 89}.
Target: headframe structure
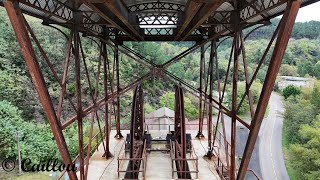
{"x": 112, "y": 22}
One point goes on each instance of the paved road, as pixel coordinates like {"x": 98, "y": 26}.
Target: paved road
{"x": 267, "y": 158}
{"x": 241, "y": 139}
{"x": 270, "y": 146}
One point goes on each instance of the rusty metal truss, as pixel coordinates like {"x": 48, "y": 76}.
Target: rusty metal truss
{"x": 190, "y": 20}
{"x": 108, "y": 23}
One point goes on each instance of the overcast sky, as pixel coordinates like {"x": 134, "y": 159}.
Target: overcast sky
{"x": 308, "y": 13}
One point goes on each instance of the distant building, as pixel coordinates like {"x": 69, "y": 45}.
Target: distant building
{"x": 161, "y": 119}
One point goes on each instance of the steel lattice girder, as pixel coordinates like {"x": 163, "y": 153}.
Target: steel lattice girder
{"x": 192, "y": 20}
{"x": 22, "y": 29}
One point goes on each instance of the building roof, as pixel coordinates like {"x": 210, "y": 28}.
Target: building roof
{"x": 161, "y": 112}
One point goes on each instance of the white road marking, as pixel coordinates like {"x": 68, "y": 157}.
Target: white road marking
{"x": 272, "y": 129}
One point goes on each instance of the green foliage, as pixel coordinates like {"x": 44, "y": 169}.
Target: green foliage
{"x": 290, "y": 90}
{"x": 310, "y": 30}
{"x": 315, "y": 98}
{"x": 255, "y": 93}
{"x": 302, "y": 132}
{"x": 148, "y": 108}
{"x": 21, "y": 106}
{"x": 298, "y": 111}
{"x": 305, "y": 156}
{"x": 36, "y": 140}
{"x": 317, "y": 70}
{"x": 306, "y": 68}
{"x": 288, "y": 70}
{"x": 168, "y": 99}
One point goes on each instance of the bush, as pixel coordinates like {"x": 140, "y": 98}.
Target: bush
{"x": 290, "y": 90}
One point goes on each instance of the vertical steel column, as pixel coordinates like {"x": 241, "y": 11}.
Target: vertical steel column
{"x": 78, "y": 19}
{"x": 274, "y": 66}
{"x": 221, "y": 96}
{"x": 200, "y": 134}
{"x": 105, "y": 86}
{"x": 116, "y": 57}
{"x": 17, "y": 21}
{"x": 210, "y": 74}
{"x": 236, "y": 16}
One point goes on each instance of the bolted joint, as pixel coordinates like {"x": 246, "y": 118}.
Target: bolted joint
{"x": 157, "y": 71}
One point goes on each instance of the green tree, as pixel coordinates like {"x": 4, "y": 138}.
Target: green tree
{"x": 298, "y": 112}
{"x": 316, "y": 70}
{"x": 288, "y": 70}
{"x": 168, "y": 99}
{"x": 315, "y": 98}
{"x": 306, "y": 68}
{"x": 290, "y": 90}
{"x": 305, "y": 156}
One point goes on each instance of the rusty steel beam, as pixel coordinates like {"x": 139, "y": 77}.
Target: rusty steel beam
{"x": 98, "y": 9}
{"x": 122, "y": 14}
{"x": 64, "y": 78}
{"x": 105, "y": 86}
{"x": 116, "y": 58}
{"x": 200, "y": 134}
{"x": 104, "y": 100}
{"x": 191, "y": 10}
{"x": 47, "y": 61}
{"x": 234, "y": 106}
{"x": 246, "y": 74}
{"x": 17, "y": 21}
{"x": 192, "y": 49}
{"x": 261, "y": 61}
{"x": 274, "y": 66}
{"x": 203, "y": 14}
{"x": 78, "y": 99}
{"x": 94, "y": 112}
{"x": 137, "y": 141}
{"x": 212, "y": 56}
{"x": 235, "y": 78}
{"x": 221, "y": 97}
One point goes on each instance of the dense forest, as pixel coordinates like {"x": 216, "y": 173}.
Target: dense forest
{"x": 302, "y": 131}
{"x": 20, "y": 110}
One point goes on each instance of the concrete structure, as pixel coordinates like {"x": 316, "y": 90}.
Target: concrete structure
{"x": 285, "y": 81}
{"x": 158, "y": 163}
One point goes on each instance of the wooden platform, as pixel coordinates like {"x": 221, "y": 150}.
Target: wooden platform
{"x": 158, "y": 163}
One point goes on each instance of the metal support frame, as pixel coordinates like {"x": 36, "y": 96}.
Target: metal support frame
{"x": 202, "y": 62}
{"x": 112, "y": 94}
{"x": 137, "y": 141}
{"x": 180, "y": 142}
{"x": 213, "y": 52}
{"x": 117, "y": 113}
{"x": 285, "y": 30}
{"x": 106, "y": 109}
{"x": 17, "y": 21}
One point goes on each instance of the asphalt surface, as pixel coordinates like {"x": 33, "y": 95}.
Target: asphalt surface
{"x": 267, "y": 158}
{"x": 271, "y": 155}
{"x": 241, "y": 139}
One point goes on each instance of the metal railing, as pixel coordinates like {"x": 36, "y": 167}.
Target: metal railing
{"x": 169, "y": 125}
{"x": 193, "y": 159}
{"x": 122, "y": 159}
{"x": 221, "y": 165}
{"x": 97, "y": 137}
